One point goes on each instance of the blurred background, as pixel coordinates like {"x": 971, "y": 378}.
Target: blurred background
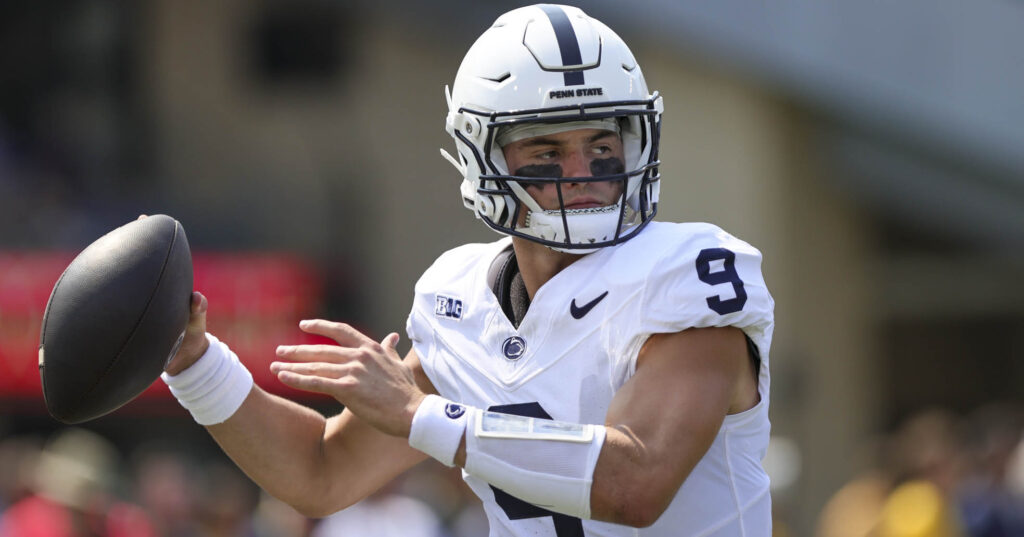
{"x": 873, "y": 151}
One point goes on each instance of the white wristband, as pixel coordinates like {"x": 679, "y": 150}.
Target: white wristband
{"x": 214, "y": 387}
{"x": 438, "y": 426}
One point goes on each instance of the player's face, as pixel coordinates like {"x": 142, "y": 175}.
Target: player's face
{"x": 576, "y": 153}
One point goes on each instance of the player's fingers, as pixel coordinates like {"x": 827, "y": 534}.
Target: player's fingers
{"x": 199, "y": 303}
{"x": 319, "y": 369}
{"x": 141, "y": 216}
{"x": 197, "y": 316}
{"x": 310, "y": 383}
{"x": 314, "y": 353}
{"x": 390, "y": 342}
{"x": 194, "y": 344}
{"x": 343, "y": 333}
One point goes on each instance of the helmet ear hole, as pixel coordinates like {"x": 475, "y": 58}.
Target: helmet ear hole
{"x": 486, "y": 205}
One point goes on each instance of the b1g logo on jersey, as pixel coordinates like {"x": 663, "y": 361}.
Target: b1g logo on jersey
{"x": 447, "y": 307}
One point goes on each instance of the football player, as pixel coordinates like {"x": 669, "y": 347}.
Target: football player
{"x": 592, "y": 372}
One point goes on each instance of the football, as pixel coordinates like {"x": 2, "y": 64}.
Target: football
{"x": 115, "y": 317}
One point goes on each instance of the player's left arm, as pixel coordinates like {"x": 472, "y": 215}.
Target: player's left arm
{"x": 662, "y": 422}
{"x": 658, "y": 427}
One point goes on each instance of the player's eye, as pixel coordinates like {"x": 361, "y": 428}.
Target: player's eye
{"x": 547, "y": 155}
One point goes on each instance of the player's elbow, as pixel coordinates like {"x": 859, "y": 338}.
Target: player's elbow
{"x": 311, "y": 509}
{"x": 636, "y": 498}
{"x": 311, "y": 506}
{"x": 307, "y": 510}
{"x": 316, "y": 511}
{"x": 317, "y": 499}
{"x": 637, "y": 507}
{"x": 640, "y": 513}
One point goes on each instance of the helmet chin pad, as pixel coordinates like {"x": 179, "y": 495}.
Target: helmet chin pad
{"x": 593, "y": 225}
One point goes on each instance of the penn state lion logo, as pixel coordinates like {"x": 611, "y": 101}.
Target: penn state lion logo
{"x": 513, "y": 348}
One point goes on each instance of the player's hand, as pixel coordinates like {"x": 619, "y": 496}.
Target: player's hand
{"x": 195, "y": 343}
{"x": 369, "y": 378}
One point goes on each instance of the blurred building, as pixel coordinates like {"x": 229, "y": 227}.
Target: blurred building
{"x": 875, "y": 154}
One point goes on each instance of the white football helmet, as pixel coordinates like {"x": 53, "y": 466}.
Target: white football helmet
{"x": 551, "y": 64}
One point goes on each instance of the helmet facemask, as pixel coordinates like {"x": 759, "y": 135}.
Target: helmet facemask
{"x": 573, "y": 230}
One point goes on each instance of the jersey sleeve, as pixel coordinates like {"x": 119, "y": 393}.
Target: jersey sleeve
{"x": 418, "y": 325}
{"x": 708, "y": 279}
{"x": 439, "y": 296}
{"x": 416, "y": 329}
{"x": 421, "y": 327}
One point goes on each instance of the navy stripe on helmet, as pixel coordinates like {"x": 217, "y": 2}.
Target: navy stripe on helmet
{"x": 568, "y": 45}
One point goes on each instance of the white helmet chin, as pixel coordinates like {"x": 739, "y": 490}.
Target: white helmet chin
{"x": 595, "y": 225}
{"x": 554, "y": 66}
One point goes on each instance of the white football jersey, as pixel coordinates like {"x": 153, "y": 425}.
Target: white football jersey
{"x": 578, "y": 344}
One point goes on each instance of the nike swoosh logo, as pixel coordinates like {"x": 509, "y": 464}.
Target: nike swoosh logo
{"x": 578, "y": 312}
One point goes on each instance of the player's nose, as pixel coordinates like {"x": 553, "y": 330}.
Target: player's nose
{"x": 576, "y": 164}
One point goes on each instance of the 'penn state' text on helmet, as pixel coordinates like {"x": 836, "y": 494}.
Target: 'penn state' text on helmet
{"x": 551, "y": 64}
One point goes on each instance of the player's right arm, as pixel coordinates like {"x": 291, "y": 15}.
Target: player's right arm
{"x": 317, "y": 465}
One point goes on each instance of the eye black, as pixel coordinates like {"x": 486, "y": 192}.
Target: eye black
{"x": 606, "y": 166}
{"x": 540, "y": 170}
